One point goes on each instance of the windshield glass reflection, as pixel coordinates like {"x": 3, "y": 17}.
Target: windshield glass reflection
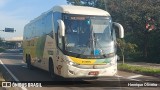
{"x": 88, "y": 35}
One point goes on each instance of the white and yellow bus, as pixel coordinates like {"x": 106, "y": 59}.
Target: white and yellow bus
{"x": 72, "y": 42}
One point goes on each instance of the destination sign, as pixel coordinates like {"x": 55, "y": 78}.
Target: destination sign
{"x": 78, "y": 18}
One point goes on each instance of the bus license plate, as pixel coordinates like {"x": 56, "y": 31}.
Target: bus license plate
{"x": 93, "y": 73}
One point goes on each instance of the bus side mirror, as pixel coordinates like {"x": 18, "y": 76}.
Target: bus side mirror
{"x": 121, "y": 30}
{"x": 61, "y": 27}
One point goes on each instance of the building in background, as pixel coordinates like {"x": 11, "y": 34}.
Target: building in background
{"x": 13, "y": 43}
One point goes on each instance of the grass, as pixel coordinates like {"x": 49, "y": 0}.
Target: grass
{"x": 2, "y": 49}
{"x": 139, "y": 69}
{"x": 1, "y": 77}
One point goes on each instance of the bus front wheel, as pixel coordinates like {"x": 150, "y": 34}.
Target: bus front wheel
{"x": 51, "y": 69}
{"x": 28, "y": 60}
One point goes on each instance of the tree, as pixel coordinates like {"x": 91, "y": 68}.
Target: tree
{"x": 126, "y": 48}
{"x": 93, "y": 3}
{"x": 131, "y": 14}
{"x": 1, "y": 42}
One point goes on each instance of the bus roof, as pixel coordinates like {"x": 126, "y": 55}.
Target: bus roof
{"x": 84, "y": 10}
{"x": 70, "y": 9}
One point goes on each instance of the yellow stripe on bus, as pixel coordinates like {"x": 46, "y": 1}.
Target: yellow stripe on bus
{"x": 82, "y": 61}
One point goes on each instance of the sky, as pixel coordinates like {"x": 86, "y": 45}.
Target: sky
{"x": 17, "y": 13}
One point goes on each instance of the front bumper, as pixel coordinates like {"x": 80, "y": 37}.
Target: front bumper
{"x": 74, "y": 72}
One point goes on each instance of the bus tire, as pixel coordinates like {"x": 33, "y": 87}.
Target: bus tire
{"x": 28, "y": 60}
{"x": 51, "y": 69}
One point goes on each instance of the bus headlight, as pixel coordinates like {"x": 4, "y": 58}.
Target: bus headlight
{"x": 69, "y": 61}
{"x": 72, "y": 63}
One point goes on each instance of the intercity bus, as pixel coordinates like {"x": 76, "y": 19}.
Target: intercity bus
{"x": 72, "y": 42}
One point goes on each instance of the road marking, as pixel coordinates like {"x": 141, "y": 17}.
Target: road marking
{"x": 15, "y": 79}
{"x": 135, "y": 76}
{"x": 23, "y": 62}
{"x": 9, "y": 71}
{"x": 24, "y": 66}
{"x": 126, "y": 78}
{"x": 134, "y": 79}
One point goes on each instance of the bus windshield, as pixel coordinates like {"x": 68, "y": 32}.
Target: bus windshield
{"x": 89, "y": 36}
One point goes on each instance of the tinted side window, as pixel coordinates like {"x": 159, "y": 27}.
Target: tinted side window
{"x": 48, "y": 23}
{"x": 56, "y": 16}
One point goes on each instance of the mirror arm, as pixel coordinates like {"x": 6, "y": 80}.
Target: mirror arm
{"x": 61, "y": 27}
{"x": 121, "y": 29}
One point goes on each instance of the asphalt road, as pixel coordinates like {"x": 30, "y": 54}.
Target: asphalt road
{"x": 18, "y": 71}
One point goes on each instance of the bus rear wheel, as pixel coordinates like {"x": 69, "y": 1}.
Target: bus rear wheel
{"x": 28, "y": 60}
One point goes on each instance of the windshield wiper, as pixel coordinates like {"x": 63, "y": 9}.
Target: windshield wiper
{"x": 92, "y": 44}
{"x": 89, "y": 44}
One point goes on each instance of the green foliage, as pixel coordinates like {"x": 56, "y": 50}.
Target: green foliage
{"x": 2, "y": 50}
{"x": 126, "y": 48}
{"x": 131, "y": 14}
{"x": 92, "y": 3}
{"x": 139, "y": 69}
{"x": 74, "y": 2}
{"x": 1, "y": 41}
